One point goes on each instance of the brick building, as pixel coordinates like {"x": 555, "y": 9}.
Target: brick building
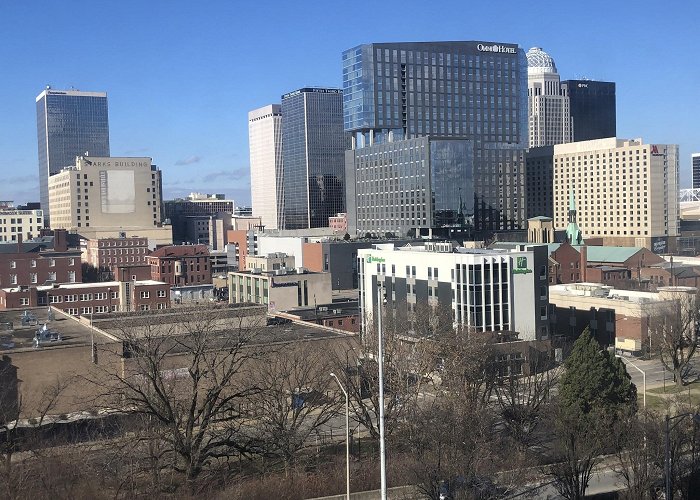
{"x": 110, "y": 252}
{"x": 181, "y": 265}
{"x": 89, "y": 298}
{"x": 36, "y": 263}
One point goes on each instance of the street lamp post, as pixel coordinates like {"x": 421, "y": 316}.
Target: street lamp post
{"x": 667, "y": 449}
{"x": 382, "y": 447}
{"x": 347, "y": 436}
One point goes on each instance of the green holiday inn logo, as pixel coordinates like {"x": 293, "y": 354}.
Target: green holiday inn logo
{"x": 521, "y": 266}
{"x": 371, "y": 259}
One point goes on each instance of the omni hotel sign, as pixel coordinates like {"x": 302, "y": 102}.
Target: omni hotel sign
{"x": 496, "y": 48}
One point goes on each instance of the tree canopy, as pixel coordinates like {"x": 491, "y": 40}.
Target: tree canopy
{"x": 595, "y": 380}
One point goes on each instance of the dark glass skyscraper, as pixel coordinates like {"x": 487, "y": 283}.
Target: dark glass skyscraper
{"x": 473, "y": 91}
{"x": 313, "y": 149}
{"x": 592, "y": 109}
{"x": 69, "y": 123}
{"x": 695, "y": 160}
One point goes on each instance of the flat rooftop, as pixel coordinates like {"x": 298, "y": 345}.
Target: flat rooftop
{"x": 20, "y": 337}
{"x": 604, "y": 292}
{"x": 222, "y": 323}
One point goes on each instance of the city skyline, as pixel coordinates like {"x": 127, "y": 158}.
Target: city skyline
{"x": 183, "y": 97}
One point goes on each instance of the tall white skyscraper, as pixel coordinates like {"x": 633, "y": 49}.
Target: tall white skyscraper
{"x": 265, "y": 140}
{"x": 548, "y": 105}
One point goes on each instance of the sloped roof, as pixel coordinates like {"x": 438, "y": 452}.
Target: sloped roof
{"x": 25, "y": 247}
{"x": 609, "y": 254}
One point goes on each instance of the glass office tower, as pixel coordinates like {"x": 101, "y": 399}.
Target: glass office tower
{"x": 313, "y": 149}
{"x": 69, "y": 123}
{"x": 592, "y": 108}
{"x": 472, "y": 91}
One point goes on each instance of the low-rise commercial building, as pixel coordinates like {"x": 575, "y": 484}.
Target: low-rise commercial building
{"x": 280, "y": 290}
{"x": 614, "y": 316}
{"x": 90, "y": 298}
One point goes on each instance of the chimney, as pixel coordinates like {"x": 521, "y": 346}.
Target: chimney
{"x": 60, "y": 240}
{"x": 584, "y": 261}
{"x": 19, "y": 242}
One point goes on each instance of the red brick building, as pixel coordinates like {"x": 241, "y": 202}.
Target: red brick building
{"x": 110, "y": 252}
{"x": 181, "y": 265}
{"x": 89, "y": 298}
{"x": 33, "y": 264}
{"x": 567, "y": 264}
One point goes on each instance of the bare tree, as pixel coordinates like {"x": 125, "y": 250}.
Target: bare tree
{"x": 581, "y": 441}
{"x": 672, "y": 327}
{"x": 467, "y": 365}
{"x": 408, "y": 357}
{"x": 638, "y": 454}
{"x": 297, "y": 398}
{"x": 191, "y": 379}
{"x": 524, "y": 401}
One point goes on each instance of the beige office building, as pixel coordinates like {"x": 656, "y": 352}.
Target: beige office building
{"x": 103, "y": 197}
{"x": 20, "y": 224}
{"x": 624, "y": 191}
{"x": 265, "y": 140}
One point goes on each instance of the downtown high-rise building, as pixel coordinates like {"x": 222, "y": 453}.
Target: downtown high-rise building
{"x": 592, "y": 109}
{"x": 625, "y": 192}
{"x": 266, "y": 181}
{"x": 695, "y": 159}
{"x": 439, "y": 131}
{"x": 548, "y": 105}
{"x": 70, "y": 123}
{"x": 313, "y": 149}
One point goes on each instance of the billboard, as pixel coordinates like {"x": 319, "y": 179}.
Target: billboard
{"x": 659, "y": 244}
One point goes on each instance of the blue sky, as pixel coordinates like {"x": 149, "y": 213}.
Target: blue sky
{"x": 181, "y": 76}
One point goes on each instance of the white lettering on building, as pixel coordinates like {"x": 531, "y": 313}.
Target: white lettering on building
{"x": 499, "y": 49}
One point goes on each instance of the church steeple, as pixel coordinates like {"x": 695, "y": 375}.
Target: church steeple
{"x": 573, "y": 232}
{"x": 572, "y": 206}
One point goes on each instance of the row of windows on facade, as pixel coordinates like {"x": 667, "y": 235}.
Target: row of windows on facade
{"x": 34, "y": 278}
{"x": 21, "y": 220}
{"x": 74, "y": 311}
{"x": 52, "y": 262}
{"x": 17, "y": 229}
{"x": 85, "y": 297}
{"x": 125, "y": 251}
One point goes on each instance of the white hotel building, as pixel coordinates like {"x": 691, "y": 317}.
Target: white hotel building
{"x": 487, "y": 290}
{"x": 625, "y": 191}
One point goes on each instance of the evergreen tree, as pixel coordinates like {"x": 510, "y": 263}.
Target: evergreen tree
{"x": 595, "y": 380}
